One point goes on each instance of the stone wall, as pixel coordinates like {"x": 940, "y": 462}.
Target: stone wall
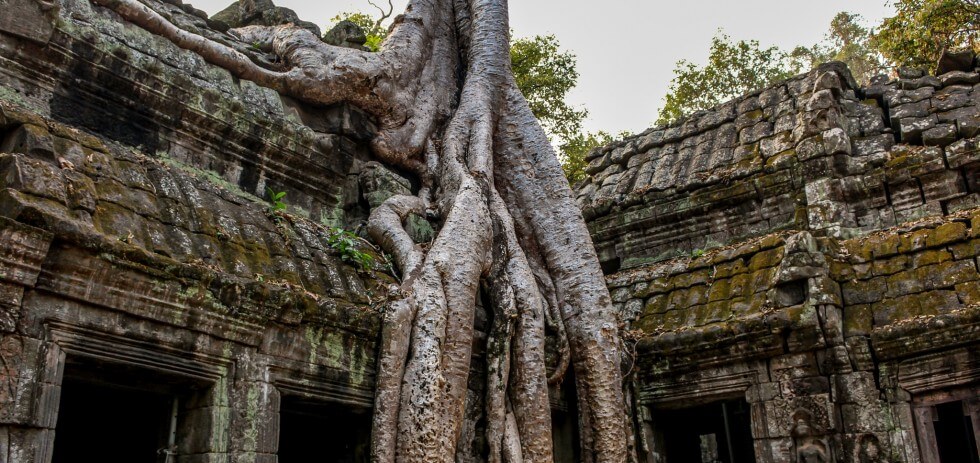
{"x": 137, "y": 251}
{"x": 807, "y": 250}
{"x": 814, "y": 152}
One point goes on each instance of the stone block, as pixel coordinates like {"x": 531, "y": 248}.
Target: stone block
{"x": 940, "y": 135}
{"x": 857, "y": 320}
{"x": 894, "y": 98}
{"x": 755, "y": 133}
{"x": 836, "y": 141}
{"x": 962, "y": 152}
{"x": 864, "y": 417}
{"x": 942, "y": 185}
{"x": 956, "y": 61}
{"x": 864, "y": 292}
{"x": 775, "y": 144}
{"x": 762, "y": 392}
{"x": 32, "y": 176}
{"x": 19, "y": 379}
{"x": 856, "y": 388}
{"x": 946, "y": 234}
{"x": 866, "y": 146}
{"x": 921, "y": 82}
{"x": 793, "y": 366}
{"x": 907, "y": 110}
{"x": 859, "y": 351}
{"x": 947, "y": 274}
{"x": 910, "y": 129}
{"x": 903, "y": 284}
{"x": 34, "y": 21}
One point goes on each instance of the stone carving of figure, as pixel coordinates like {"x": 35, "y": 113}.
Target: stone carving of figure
{"x": 809, "y": 447}
{"x": 869, "y": 449}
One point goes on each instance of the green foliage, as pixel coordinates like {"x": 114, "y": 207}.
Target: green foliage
{"x": 922, "y": 30}
{"x": 733, "y": 68}
{"x": 847, "y": 41}
{"x": 347, "y": 244}
{"x": 574, "y": 151}
{"x": 545, "y": 74}
{"x": 276, "y": 202}
{"x": 374, "y": 32}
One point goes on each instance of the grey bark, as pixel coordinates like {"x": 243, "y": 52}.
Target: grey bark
{"x": 450, "y": 112}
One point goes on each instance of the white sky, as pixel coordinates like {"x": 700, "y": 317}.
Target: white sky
{"x": 626, "y": 49}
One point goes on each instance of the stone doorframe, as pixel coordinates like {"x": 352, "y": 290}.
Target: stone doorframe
{"x": 63, "y": 340}
{"x": 923, "y": 414}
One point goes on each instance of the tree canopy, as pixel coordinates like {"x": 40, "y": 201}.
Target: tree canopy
{"x": 545, "y": 74}
{"x": 922, "y": 30}
{"x": 916, "y": 36}
{"x": 733, "y": 68}
{"x": 848, "y": 41}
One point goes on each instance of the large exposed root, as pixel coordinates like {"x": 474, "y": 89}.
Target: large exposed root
{"x": 507, "y": 222}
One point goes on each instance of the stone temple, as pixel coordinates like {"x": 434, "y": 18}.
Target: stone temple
{"x": 796, "y": 270}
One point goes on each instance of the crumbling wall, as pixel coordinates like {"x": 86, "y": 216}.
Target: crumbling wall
{"x": 807, "y": 249}
{"x": 814, "y": 152}
{"x": 136, "y": 236}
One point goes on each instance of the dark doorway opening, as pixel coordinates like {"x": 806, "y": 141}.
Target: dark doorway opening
{"x": 323, "y": 432}
{"x": 116, "y": 414}
{"x": 564, "y": 423}
{"x": 955, "y": 436}
{"x": 719, "y": 432}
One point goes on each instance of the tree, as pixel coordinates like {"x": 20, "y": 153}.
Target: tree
{"x": 922, "y": 30}
{"x": 733, "y": 68}
{"x": 450, "y": 112}
{"x": 545, "y": 74}
{"x": 574, "y": 151}
{"x": 847, "y": 41}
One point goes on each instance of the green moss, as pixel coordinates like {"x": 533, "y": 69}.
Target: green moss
{"x": 720, "y": 290}
{"x": 930, "y": 257}
{"x": 947, "y": 233}
{"x": 890, "y": 265}
{"x": 966, "y": 250}
{"x": 858, "y": 320}
{"x": 766, "y": 259}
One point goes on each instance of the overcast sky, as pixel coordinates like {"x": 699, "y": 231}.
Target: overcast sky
{"x": 626, "y": 49}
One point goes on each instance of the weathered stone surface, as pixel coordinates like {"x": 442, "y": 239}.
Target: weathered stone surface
{"x": 875, "y": 273}
{"x": 135, "y": 235}
{"x": 952, "y": 61}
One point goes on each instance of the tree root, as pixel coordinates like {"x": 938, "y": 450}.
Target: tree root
{"x": 508, "y": 223}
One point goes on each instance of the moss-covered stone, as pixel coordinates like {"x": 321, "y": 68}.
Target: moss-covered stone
{"x": 930, "y": 257}
{"x": 947, "y": 274}
{"x": 657, "y": 304}
{"x": 858, "y": 320}
{"x": 719, "y": 290}
{"x": 864, "y": 292}
{"x": 765, "y": 259}
{"x": 891, "y": 265}
{"x": 966, "y": 249}
{"x": 947, "y": 233}
{"x": 968, "y": 293}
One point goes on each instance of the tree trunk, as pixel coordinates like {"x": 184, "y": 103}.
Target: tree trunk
{"x": 450, "y": 112}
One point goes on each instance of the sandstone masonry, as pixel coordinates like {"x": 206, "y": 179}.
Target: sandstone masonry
{"x": 797, "y": 268}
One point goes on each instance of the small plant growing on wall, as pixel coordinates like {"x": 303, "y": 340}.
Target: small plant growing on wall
{"x": 276, "y": 202}
{"x": 346, "y": 243}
